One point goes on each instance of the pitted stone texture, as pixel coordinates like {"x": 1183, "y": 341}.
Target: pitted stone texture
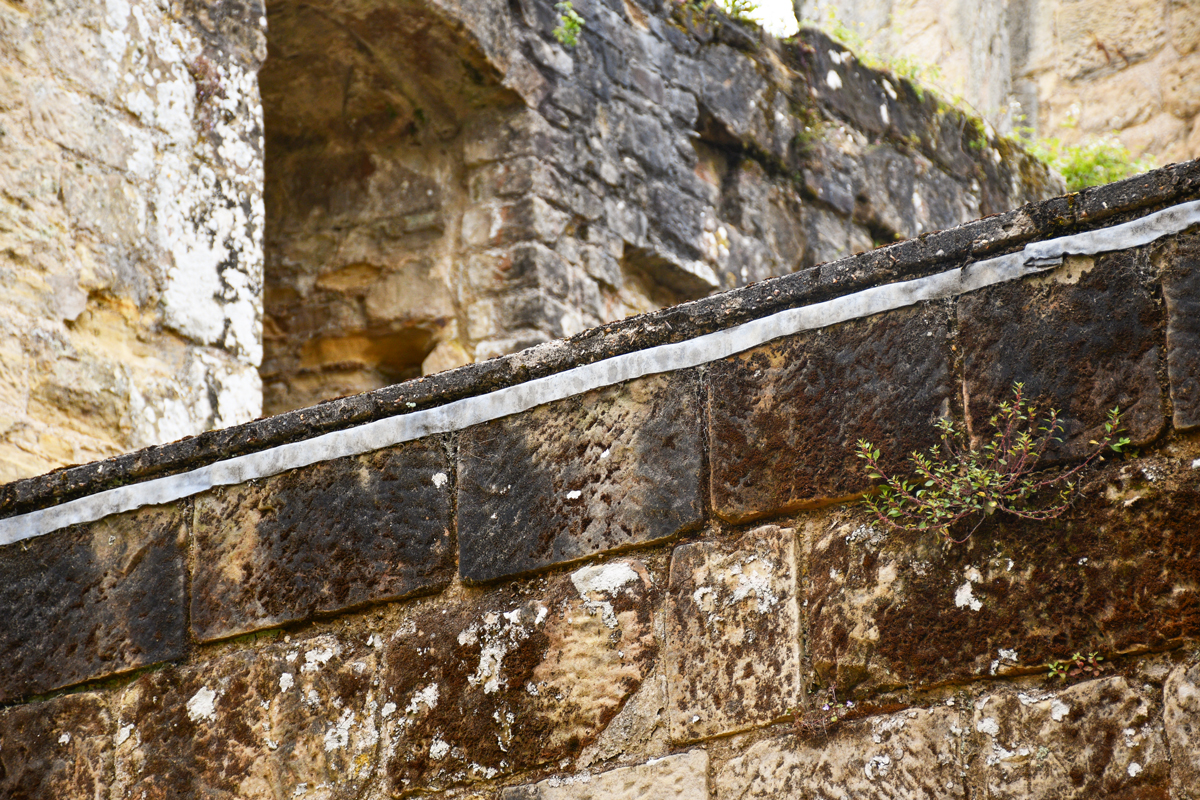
{"x": 910, "y": 754}
{"x": 1181, "y": 720}
{"x": 612, "y": 468}
{"x": 295, "y": 719}
{"x": 681, "y": 777}
{"x": 1181, "y": 289}
{"x": 1084, "y": 339}
{"x": 60, "y": 748}
{"x": 1095, "y": 739}
{"x": 323, "y": 538}
{"x": 1117, "y": 573}
{"x": 93, "y": 600}
{"x": 785, "y": 417}
{"x": 733, "y": 634}
{"x": 515, "y": 677}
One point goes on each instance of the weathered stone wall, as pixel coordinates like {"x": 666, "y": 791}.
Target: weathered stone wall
{"x": 458, "y": 185}
{"x": 1071, "y": 69}
{"x": 653, "y": 585}
{"x": 130, "y": 226}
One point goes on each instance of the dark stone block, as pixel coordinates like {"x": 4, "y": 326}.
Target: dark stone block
{"x": 785, "y": 417}
{"x": 1084, "y": 339}
{"x": 92, "y": 600}
{"x": 321, "y": 539}
{"x": 1181, "y": 288}
{"x": 615, "y": 467}
{"x": 60, "y": 749}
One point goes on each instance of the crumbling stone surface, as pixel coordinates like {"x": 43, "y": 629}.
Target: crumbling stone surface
{"x": 1181, "y": 704}
{"x": 615, "y": 467}
{"x": 914, "y": 753}
{"x": 325, "y": 538}
{"x": 515, "y": 678}
{"x": 785, "y": 417}
{"x": 1086, "y": 339}
{"x": 93, "y": 600}
{"x": 60, "y": 748}
{"x": 733, "y": 608}
{"x": 1181, "y": 290}
{"x": 683, "y": 776}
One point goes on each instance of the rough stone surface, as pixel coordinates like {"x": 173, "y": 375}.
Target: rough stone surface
{"x": 60, "y": 748}
{"x": 785, "y": 417}
{"x": 93, "y": 600}
{"x": 515, "y": 678}
{"x": 615, "y": 467}
{"x": 297, "y": 719}
{"x": 1181, "y": 707}
{"x": 1100, "y": 738}
{"x": 733, "y": 634}
{"x": 683, "y": 776}
{"x": 1085, "y": 339}
{"x": 321, "y": 539}
{"x": 1181, "y": 290}
{"x": 1115, "y": 574}
{"x": 910, "y": 754}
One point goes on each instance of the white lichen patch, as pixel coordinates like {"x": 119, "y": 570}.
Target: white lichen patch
{"x": 286, "y": 681}
{"x": 965, "y": 597}
{"x": 1059, "y": 710}
{"x": 201, "y": 707}
{"x": 989, "y": 726}
{"x": 439, "y": 749}
{"x": 423, "y": 700}
{"x": 318, "y": 657}
{"x": 833, "y": 80}
{"x": 603, "y": 579}
{"x": 497, "y": 634}
{"x": 440, "y": 479}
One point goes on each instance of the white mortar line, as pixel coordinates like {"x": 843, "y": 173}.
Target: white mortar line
{"x": 460, "y": 414}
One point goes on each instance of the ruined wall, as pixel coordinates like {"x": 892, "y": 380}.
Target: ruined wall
{"x": 458, "y": 185}
{"x": 130, "y": 226}
{"x": 625, "y": 565}
{"x": 1071, "y": 69}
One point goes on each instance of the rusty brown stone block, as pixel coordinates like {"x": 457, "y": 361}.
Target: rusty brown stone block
{"x": 785, "y": 416}
{"x": 733, "y": 634}
{"x": 321, "y": 539}
{"x": 254, "y": 725}
{"x": 1181, "y": 289}
{"x": 615, "y": 467}
{"x": 93, "y": 600}
{"x": 1084, "y": 339}
{"x": 1117, "y": 573}
{"x": 515, "y": 677}
{"x": 60, "y": 748}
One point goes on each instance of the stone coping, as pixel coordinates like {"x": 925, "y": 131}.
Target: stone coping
{"x": 942, "y": 264}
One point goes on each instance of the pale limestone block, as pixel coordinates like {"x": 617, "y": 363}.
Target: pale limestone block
{"x": 680, "y": 777}
{"x": 733, "y": 634}
{"x": 1181, "y": 719}
{"x": 914, "y": 753}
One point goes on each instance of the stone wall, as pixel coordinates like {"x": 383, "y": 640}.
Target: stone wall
{"x": 131, "y": 226}
{"x": 630, "y": 565}
{"x": 1071, "y": 69}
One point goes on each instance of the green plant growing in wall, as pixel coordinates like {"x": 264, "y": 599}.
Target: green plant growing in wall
{"x": 570, "y": 24}
{"x": 1094, "y": 161}
{"x": 955, "y": 484}
{"x": 1076, "y": 665}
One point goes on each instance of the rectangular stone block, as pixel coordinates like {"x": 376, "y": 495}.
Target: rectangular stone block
{"x": 732, "y": 651}
{"x": 60, "y": 748}
{"x": 612, "y": 468}
{"x": 1100, "y": 738}
{"x": 93, "y": 600}
{"x": 289, "y": 719}
{"x": 681, "y": 777}
{"x": 785, "y": 417}
{"x": 909, "y": 754}
{"x": 1181, "y": 709}
{"x": 323, "y": 538}
{"x": 1083, "y": 339}
{"x": 1115, "y": 574}
{"x": 515, "y": 677}
{"x": 1181, "y": 289}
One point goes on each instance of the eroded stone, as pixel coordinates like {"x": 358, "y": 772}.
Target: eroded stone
{"x": 1181, "y": 290}
{"x": 914, "y": 753}
{"x": 60, "y": 748}
{"x": 785, "y": 417}
{"x": 682, "y": 777}
{"x": 1181, "y": 721}
{"x": 278, "y": 721}
{"x": 732, "y": 652}
{"x": 93, "y": 600}
{"x": 515, "y": 678}
{"x": 323, "y": 538}
{"x": 612, "y": 468}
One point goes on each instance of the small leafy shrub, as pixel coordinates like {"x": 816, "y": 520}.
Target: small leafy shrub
{"x": 740, "y": 10}
{"x": 1077, "y": 665}
{"x": 1095, "y": 160}
{"x": 570, "y": 24}
{"x": 956, "y": 485}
